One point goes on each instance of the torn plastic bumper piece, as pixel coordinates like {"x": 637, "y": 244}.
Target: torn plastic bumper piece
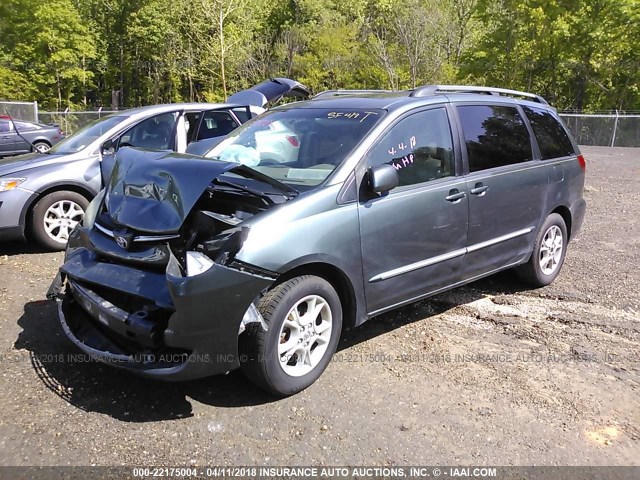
{"x": 159, "y": 325}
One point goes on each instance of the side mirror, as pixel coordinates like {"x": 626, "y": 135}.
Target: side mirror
{"x": 383, "y": 178}
{"x": 108, "y": 148}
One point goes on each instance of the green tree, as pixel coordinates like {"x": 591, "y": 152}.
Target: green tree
{"x": 578, "y": 53}
{"x": 52, "y": 47}
{"x": 575, "y": 52}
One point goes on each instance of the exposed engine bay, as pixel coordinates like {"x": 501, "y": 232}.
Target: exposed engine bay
{"x": 191, "y": 209}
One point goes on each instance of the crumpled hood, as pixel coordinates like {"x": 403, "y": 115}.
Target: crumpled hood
{"x": 155, "y": 191}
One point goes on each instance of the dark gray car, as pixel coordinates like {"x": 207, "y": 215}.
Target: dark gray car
{"x": 19, "y": 136}
{"x": 186, "y": 267}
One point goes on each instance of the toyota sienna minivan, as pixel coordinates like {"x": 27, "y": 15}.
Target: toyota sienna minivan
{"x": 190, "y": 266}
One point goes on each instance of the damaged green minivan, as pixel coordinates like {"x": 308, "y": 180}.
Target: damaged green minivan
{"x": 312, "y": 218}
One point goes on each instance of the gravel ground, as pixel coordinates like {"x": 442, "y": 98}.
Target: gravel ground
{"x": 486, "y": 374}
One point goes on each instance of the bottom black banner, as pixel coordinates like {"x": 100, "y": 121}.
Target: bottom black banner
{"x": 322, "y": 472}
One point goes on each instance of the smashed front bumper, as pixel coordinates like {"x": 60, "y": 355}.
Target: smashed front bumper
{"x": 158, "y": 324}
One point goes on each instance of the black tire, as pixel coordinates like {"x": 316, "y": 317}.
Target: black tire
{"x": 259, "y": 356}
{"x": 532, "y": 272}
{"x": 41, "y": 146}
{"x": 39, "y": 211}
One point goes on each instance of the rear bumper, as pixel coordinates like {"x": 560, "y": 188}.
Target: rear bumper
{"x": 155, "y": 324}
{"x": 578, "y": 210}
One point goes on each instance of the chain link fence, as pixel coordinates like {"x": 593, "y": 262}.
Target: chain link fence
{"x": 69, "y": 121}
{"x": 605, "y": 130}
{"x": 20, "y": 110}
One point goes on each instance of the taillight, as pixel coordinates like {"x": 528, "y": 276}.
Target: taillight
{"x": 293, "y": 141}
{"x": 582, "y": 162}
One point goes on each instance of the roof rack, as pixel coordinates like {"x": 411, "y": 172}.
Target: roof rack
{"x": 433, "y": 89}
{"x": 340, "y": 93}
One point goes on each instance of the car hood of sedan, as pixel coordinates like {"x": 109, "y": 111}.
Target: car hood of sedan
{"x": 15, "y": 165}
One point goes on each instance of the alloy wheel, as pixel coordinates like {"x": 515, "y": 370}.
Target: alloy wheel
{"x": 551, "y": 250}
{"x": 60, "y": 218}
{"x": 305, "y": 335}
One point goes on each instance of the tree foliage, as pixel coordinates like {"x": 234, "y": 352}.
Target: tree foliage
{"x": 121, "y": 53}
{"x": 579, "y": 54}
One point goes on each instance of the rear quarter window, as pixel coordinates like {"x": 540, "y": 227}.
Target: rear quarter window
{"x": 552, "y": 138}
{"x": 26, "y": 127}
{"x": 495, "y": 136}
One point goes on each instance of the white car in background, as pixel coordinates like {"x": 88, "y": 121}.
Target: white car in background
{"x": 277, "y": 144}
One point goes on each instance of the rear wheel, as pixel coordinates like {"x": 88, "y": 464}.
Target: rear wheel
{"x": 548, "y": 255}
{"x": 41, "y": 147}
{"x": 55, "y": 216}
{"x": 304, "y": 319}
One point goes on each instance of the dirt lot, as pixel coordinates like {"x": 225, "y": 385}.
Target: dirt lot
{"x": 487, "y": 374}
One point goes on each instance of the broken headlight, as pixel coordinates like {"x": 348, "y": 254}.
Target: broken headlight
{"x": 225, "y": 246}
{"x": 197, "y": 263}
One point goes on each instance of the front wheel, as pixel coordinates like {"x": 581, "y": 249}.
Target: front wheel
{"x": 55, "y": 215}
{"x": 548, "y": 255}
{"x": 304, "y": 319}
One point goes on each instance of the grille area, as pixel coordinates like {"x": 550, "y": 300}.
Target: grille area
{"x": 133, "y": 318}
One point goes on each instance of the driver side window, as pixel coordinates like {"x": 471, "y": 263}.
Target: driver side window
{"x": 154, "y": 133}
{"x": 419, "y": 147}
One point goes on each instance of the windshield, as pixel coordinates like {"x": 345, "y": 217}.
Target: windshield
{"x": 297, "y": 146}
{"x": 87, "y": 134}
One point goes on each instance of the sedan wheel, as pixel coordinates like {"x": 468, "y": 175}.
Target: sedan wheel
{"x": 41, "y": 147}
{"x": 55, "y": 216}
{"x": 60, "y": 218}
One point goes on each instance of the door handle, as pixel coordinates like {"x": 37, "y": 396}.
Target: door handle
{"x": 479, "y": 189}
{"x": 455, "y": 196}
{"x": 6, "y": 137}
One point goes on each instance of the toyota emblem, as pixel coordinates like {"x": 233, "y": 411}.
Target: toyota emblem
{"x": 122, "y": 242}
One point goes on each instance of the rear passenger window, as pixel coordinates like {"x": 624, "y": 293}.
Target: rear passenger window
{"x": 193, "y": 121}
{"x": 495, "y": 136}
{"x": 419, "y": 147}
{"x": 216, "y": 124}
{"x": 243, "y": 114}
{"x": 553, "y": 140}
{"x": 26, "y": 127}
